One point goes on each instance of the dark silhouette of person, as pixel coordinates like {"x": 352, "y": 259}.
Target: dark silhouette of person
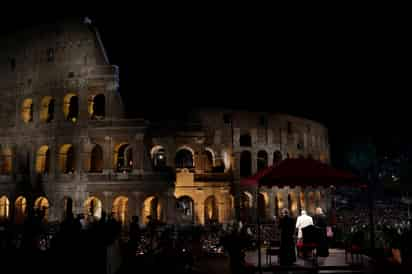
{"x": 320, "y": 221}
{"x": 287, "y": 254}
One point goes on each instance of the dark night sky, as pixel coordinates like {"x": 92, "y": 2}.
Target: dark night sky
{"x": 354, "y": 78}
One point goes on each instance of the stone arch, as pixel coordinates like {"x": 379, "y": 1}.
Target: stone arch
{"x": 302, "y": 200}
{"x": 41, "y": 204}
{"x": 96, "y": 107}
{"x": 186, "y": 209}
{"x": 184, "y": 158}
{"x": 151, "y": 207}
{"x": 96, "y": 159}
{"x": 277, "y": 157}
{"x": 27, "y": 110}
{"x": 47, "y": 109}
{"x": 43, "y": 160}
{"x": 66, "y": 158}
{"x": 245, "y": 139}
{"x": 293, "y": 206}
{"x": 20, "y": 209}
{"x": 4, "y": 208}
{"x": 211, "y": 208}
{"x": 245, "y": 163}
{"x": 311, "y": 202}
{"x": 6, "y": 161}
{"x": 263, "y": 204}
{"x": 262, "y": 159}
{"x": 93, "y": 207}
{"x": 123, "y": 157}
{"x": 246, "y": 205}
{"x": 120, "y": 209}
{"x": 71, "y": 107}
{"x": 208, "y": 160}
{"x": 158, "y": 155}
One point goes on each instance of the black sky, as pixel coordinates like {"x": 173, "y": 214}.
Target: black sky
{"x": 353, "y": 77}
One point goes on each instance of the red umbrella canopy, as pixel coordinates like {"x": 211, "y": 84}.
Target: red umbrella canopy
{"x": 302, "y": 172}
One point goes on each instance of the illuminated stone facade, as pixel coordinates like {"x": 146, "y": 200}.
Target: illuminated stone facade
{"x": 65, "y": 144}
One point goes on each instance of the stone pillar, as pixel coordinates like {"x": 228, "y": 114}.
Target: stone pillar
{"x": 217, "y": 137}
{"x": 199, "y": 206}
{"x": 254, "y": 136}
{"x": 107, "y": 202}
{"x": 236, "y": 137}
{"x": 254, "y": 161}
{"x": 107, "y": 155}
{"x": 270, "y": 136}
{"x": 138, "y": 153}
{"x": 78, "y": 151}
{"x": 221, "y": 208}
{"x": 271, "y": 209}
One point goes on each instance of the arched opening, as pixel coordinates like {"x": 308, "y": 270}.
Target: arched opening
{"x": 208, "y": 160}
{"x": 262, "y": 205}
{"x": 27, "y": 111}
{"x": 96, "y": 159}
{"x": 123, "y": 157}
{"x": 311, "y": 203}
{"x": 97, "y": 107}
{"x": 66, "y": 158}
{"x": 293, "y": 205}
{"x": 71, "y": 107}
{"x": 246, "y": 202}
{"x": 317, "y": 199}
{"x": 186, "y": 209}
{"x": 41, "y": 206}
{"x": 277, "y": 157}
{"x": 6, "y": 161}
{"x": 20, "y": 210}
{"x": 245, "y": 140}
{"x": 43, "y": 160}
{"x": 151, "y": 209}
{"x": 211, "y": 210}
{"x": 302, "y": 200}
{"x": 93, "y": 207}
{"x": 158, "y": 158}
{"x": 47, "y": 109}
{"x": 184, "y": 158}
{"x": 119, "y": 209}
{"x": 262, "y": 160}
{"x": 245, "y": 164}
{"x": 4, "y": 208}
{"x": 67, "y": 207}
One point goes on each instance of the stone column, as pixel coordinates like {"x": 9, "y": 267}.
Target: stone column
{"x": 270, "y": 136}
{"x": 107, "y": 155}
{"x": 254, "y": 161}
{"x": 138, "y": 153}
{"x": 271, "y": 209}
{"x": 199, "y": 211}
{"x": 78, "y": 151}
{"x": 254, "y": 135}
{"x": 107, "y": 203}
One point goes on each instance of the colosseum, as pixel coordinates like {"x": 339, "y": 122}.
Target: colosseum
{"x": 67, "y": 146}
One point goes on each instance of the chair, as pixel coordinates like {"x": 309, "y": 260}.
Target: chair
{"x": 272, "y": 250}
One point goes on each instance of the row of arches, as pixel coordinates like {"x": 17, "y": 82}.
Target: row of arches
{"x": 91, "y": 207}
{"x": 262, "y": 161}
{"x": 184, "y": 158}
{"x": 122, "y": 160}
{"x": 294, "y": 201}
{"x": 96, "y": 108}
{"x": 20, "y": 208}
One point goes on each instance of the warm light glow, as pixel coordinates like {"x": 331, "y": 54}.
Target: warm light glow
{"x": 151, "y": 207}
{"x": 93, "y": 207}
{"x": 4, "y": 207}
{"x": 46, "y": 109}
{"x": 119, "y": 209}
{"x": 6, "y": 161}
{"x": 27, "y": 111}
{"x": 69, "y": 109}
{"x": 66, "y": 158}
{"x": 20, "y": 209}
{"x": 42, "y": 204}
{"x": 42, "y": 160}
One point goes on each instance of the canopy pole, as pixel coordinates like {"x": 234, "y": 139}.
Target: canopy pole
{"x": 258, "y": 230}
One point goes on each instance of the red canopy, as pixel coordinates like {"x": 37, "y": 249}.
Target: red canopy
{"x": 302, "y": 172}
